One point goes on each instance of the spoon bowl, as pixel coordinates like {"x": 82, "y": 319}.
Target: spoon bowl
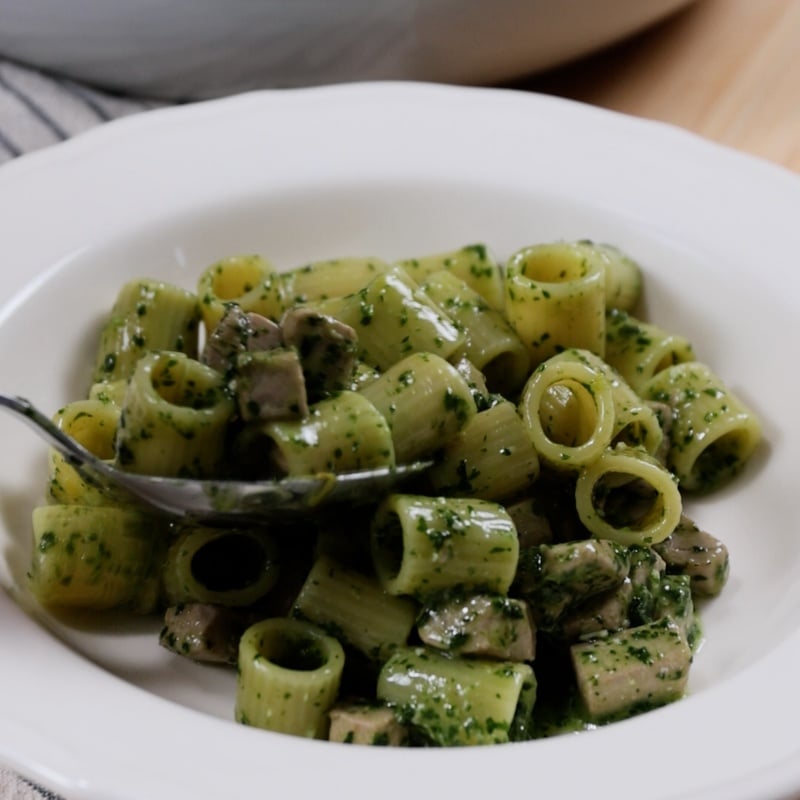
{"x": 218, "y": 502}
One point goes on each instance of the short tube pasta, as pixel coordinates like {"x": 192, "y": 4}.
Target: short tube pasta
{"x": 426, "y": 402}
{"x": 712, "y": 433}
{"x": 341, "y": 433}
{"x": 635, "y": 422}
{"x": 356, "y": 606}
{"x": 623, "y": 276}
{"x": 250, "y": 281}
{"x": 147, "y": 315}
{"x": 640, "y": 350}
{"x": 174, "y": 418}
{"x": 424, "y": 544}
{"x": 92, "y": 424}
{"x": 568, "y": 408}
{"x": 224, "y": 567}
{"x": 456, "y": 701}
{"x": 393, "y": 319}
{"x": 492, "y": 457}
{"x": 555, "y": 298}
{"x": 473, "y": 264}
{"x": 324, "y": 280}
{"x": 491, "y": 343}
{"x": 288, "y": 677}
{"x": 628, "y": 497}
{"x": 96, "y": 557}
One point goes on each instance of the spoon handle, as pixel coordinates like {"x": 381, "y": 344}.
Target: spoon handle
{"x": 221, "y": 502}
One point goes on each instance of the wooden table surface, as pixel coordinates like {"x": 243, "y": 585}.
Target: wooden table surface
{"x": 726, "y": 69}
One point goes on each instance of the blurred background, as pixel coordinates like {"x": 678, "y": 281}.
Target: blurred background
{"x": 726, "y": 69}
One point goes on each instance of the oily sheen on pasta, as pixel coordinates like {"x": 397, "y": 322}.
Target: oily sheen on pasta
{"x": 542, "y": 576}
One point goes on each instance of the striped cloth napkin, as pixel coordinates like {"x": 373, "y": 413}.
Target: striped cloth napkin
{"x": 13, "y": 787}
{"x": 37, "y": 109}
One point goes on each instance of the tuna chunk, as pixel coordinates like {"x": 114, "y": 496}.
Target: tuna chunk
{"x": 690, "y": 551}
{"x": 674, "y": 601}
{"x": 607, "y": 611}
{"x": 558, "y": 577}
{"x": 237, "y": 332}
{"x": 203, "y": 632}
{"x": 481, "y": 625}
{"x": 264, "y": 334}
{"x": 633, "y": 670}
{"x": 584, "y": 567}
{"x": 355, "y": 724}
{"x": 646, "y": 570}
{"x": 327, "y": 349}
{"x": 270, "y": 386}
{"x": 533, "y": 526}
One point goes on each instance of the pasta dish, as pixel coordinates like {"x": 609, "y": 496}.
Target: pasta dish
{"x": 541, "y": 576}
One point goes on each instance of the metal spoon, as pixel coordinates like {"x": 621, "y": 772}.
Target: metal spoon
{"x": 219, "y": 502}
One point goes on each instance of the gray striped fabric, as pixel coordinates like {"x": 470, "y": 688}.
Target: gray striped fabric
{"x": 13, "y": 787}
{"x": 37, "y": 109}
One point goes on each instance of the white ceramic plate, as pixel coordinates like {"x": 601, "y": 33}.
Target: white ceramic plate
{"x": 396, "y": 170}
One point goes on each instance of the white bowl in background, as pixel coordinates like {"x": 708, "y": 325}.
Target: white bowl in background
{"x": 205, "y": 48}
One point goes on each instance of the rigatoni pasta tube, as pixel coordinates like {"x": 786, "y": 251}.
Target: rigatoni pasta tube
{"x": 491, "y": 343}
{"x": 356, "y": 607}
{"x": 323, "y": 280}
{"x": 95, "y": 557}
{"x": 568, "y": 408}
{"x": 393, "y": 319}
{"x": 457, "y": 701}
{"x": 341, "y": 433}
{"x": 627, "y": 496}
{"x": 250, "y": 281}
{"x": 174, "y": 418}
{"x": 92, "y": 424}
{"x": 712, "y": 432}
{"x": 473, "y": 264}
{"x": 423, "y": 544}
{"x": 623, "y": 276}
{"x": 425, "y": 400}
{"x": 147, "y": 315}
{"x": 492, "y": 457}
{"x": 288, "y": 677}
{"x": 640, "y": 350}
{"x": 224, "y": 567}
{"x": 555, "y": 299}
{"x": 635, "y": 422}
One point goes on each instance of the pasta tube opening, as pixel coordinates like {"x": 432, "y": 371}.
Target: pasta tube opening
{"x": 289, "y": 673}
{"x": 628, "y": 497}
{"x": 555, "y": 298}
{"x": 224, "y": 567}
{"x": 712, "y": 433}
{"x": 568, "y": 409}
{"x": 174, "y": 417}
